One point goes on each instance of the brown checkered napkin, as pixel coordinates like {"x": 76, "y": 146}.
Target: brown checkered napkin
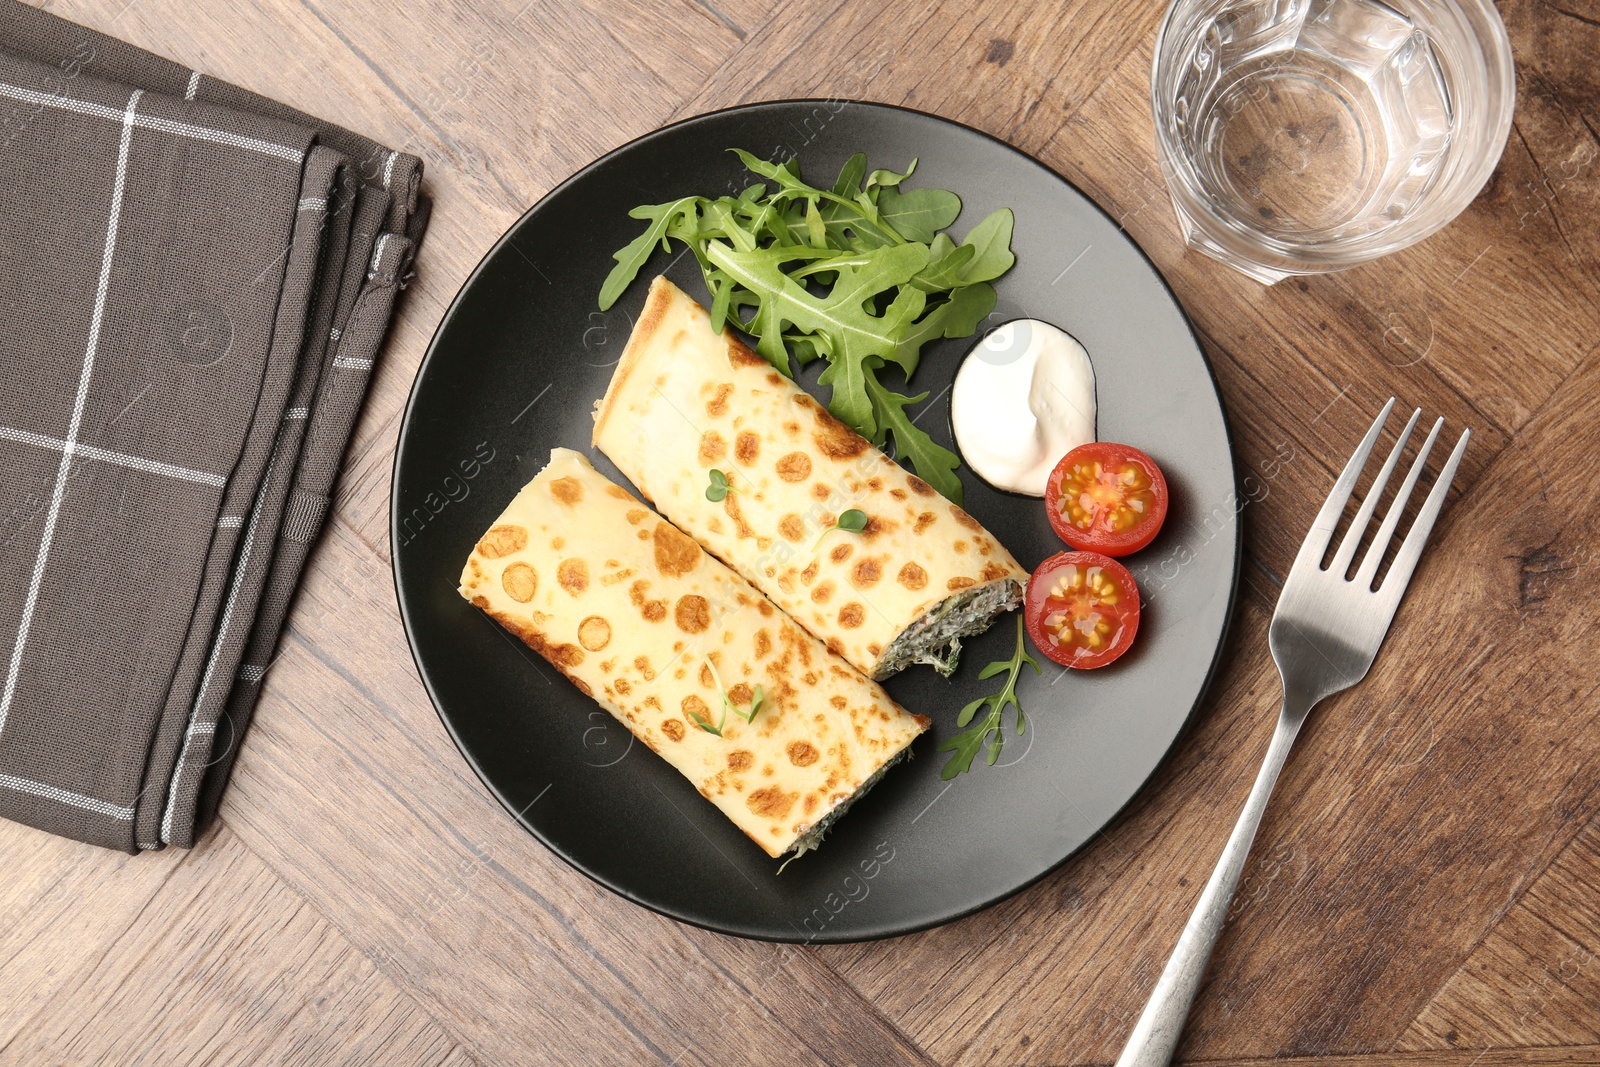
{"x": 195, "y": 284}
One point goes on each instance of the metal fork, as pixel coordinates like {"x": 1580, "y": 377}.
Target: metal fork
{"x": 1324, "y": 635}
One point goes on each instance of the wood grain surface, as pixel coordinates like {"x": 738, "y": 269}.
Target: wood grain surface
{"x": 1426, "y": 886}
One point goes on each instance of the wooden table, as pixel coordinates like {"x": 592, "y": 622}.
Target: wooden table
{"x": 1426, "y": 887}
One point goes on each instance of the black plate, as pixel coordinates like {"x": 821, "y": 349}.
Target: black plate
{"x": 515, "y": 368}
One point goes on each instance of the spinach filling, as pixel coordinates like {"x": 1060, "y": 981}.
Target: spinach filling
{"x": 935, "y": 639}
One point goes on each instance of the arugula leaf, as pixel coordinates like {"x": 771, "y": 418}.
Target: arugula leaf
{"x": 957, "y": 317}
{"x": 934, "y": 463}
{"x": 966, "y": 745}
{"x": 721, "y": 219}
{"x": 778, "y": 172}
{"x": 802, "y": 348}
{"x": 841, "y": 210}
{"x": 814, "y": 228}
{"x": 852, "y": 332}
{"x": 918, "y": 214}
{"x": 722, "y": 288}
{"x": 886, "y": 178}
{"x": 947, "y": 262}
{"x": 856, "y": 226}
{"x": 990, "y": 240}
{"x": 849, "y": 181}
{"x": 631, "y": 256}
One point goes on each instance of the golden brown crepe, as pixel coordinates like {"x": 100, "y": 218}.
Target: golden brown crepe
{"x": 684, "y": 401}
{"x": 640, "y": 618}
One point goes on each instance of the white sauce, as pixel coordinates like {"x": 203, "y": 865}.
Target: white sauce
{"x": 1023, "y": 398}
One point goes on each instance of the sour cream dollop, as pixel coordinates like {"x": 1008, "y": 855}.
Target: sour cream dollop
{"x": 1023, "y": 398}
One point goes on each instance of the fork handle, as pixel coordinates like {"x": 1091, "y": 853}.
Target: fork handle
{"x": 1155, "y": 1035}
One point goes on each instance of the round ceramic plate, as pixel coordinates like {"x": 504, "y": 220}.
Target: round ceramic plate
{"x": 515, "y": 369}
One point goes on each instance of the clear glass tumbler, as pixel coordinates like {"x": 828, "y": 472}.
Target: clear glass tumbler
{"x": 1306, "y": 136}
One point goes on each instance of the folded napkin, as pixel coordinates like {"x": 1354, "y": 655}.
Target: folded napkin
{"x": 195, "y": 283}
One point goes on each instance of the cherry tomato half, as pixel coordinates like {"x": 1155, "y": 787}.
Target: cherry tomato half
{"x": 1104, "y": 497}
{"x": 1082, "y": 609}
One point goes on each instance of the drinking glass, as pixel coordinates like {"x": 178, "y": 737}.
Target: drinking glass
{"x": 1306, "y": 136}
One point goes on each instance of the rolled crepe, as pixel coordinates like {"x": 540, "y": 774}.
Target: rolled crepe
{"x": 684, "y": 401}
{"x": 666, "y": 639}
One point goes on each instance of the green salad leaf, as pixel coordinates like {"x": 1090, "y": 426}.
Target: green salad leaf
{"x": 860, "y": 274}
{"x": 935, "y": 464}
{"x": 845, "y": 328}
{"x": 632, "y": 256}
{"x": 967, "y": 744}
{"x": 917, "y": 214}
{"x": 990, "y": 241}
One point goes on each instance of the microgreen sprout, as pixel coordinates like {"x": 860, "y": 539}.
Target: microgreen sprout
{"x": 756, "y": 701}
{"x": 852, "y": 521}
{"x": 719, "y": 488}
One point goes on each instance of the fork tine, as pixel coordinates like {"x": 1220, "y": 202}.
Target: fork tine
{"x": 1369, "y": 565}
{"x": 1358, "y": 526}
{"x": 1405, "y": 561}
{"x": 1316, "y": 542}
